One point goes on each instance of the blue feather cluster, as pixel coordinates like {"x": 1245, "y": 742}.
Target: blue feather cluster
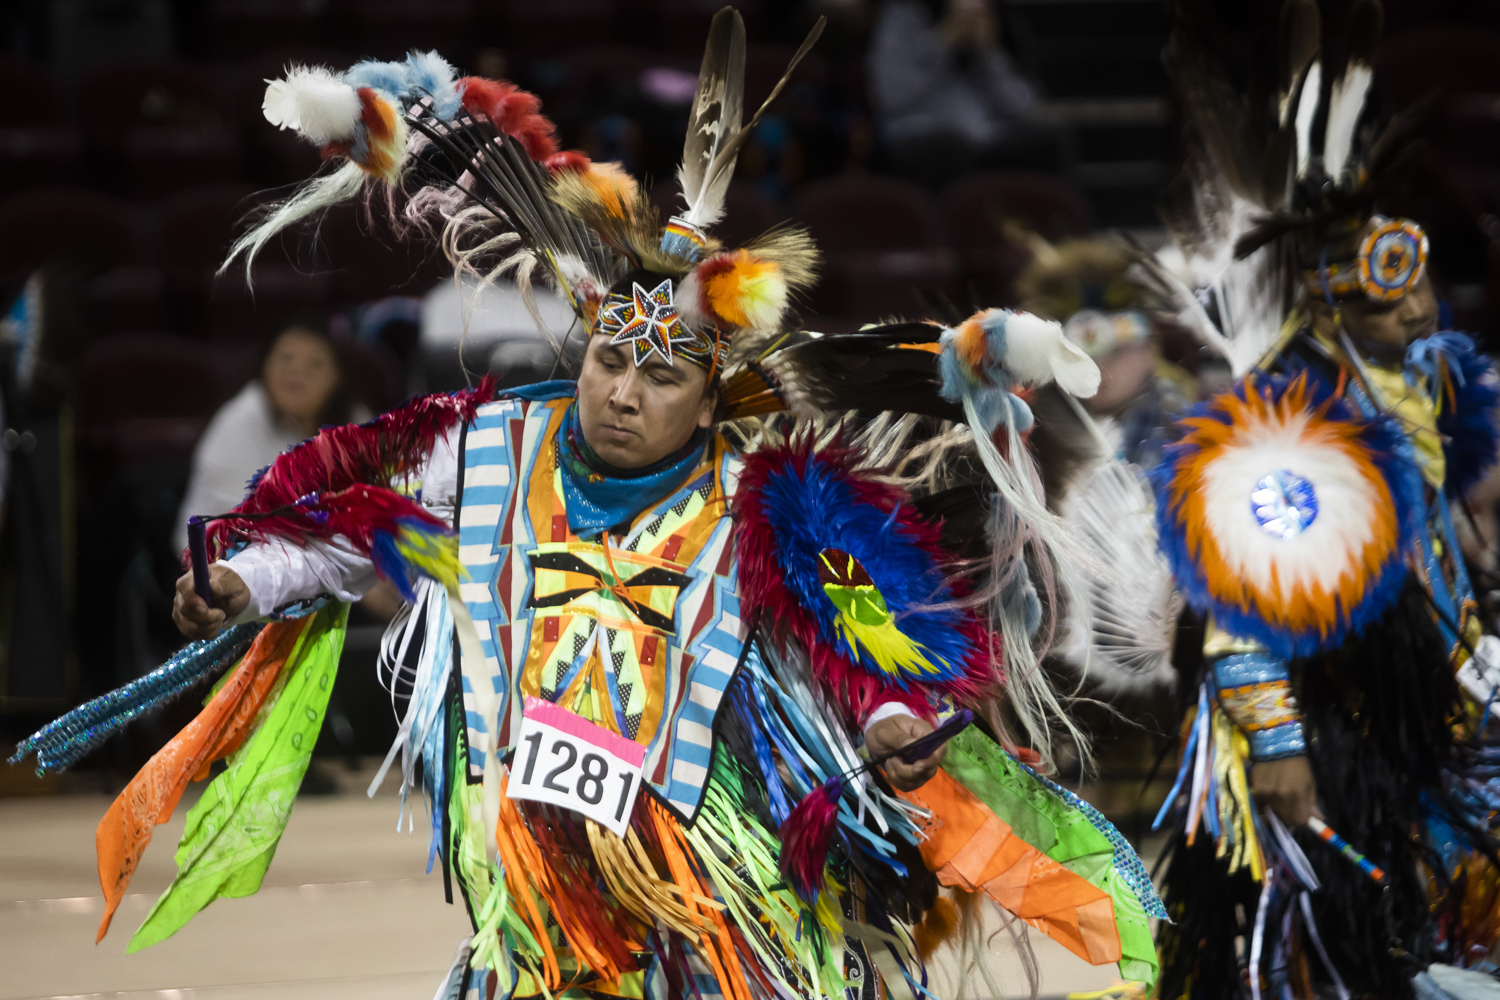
{"x": 1384, "y": 443}
{"x": 1467, "y": 422}
{"x": 421, "y": 74}
{"x": 818, "y": 508}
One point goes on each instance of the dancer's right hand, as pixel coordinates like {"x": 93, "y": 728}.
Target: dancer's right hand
{"x": 196, "y": 619}
{"x": 1287, "y": 787}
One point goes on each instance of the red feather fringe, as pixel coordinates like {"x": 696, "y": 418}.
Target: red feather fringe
{"x": 361, "y": 510}
{"x": 337, "y": 458}
{"x": 762, "y": 588}
{"x": 805, "y": 837}
{"x": 514, "y": 111}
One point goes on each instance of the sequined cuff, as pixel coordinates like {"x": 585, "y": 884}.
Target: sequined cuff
{"x": 1255, "y": 690}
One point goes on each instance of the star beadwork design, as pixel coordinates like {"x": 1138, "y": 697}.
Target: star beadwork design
{"x": 649, "y": 321}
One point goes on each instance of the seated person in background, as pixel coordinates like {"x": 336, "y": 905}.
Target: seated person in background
{"x": 301, "y": 385}
{"x": 1083, "y": 285}
{"x": 947, "y": 97}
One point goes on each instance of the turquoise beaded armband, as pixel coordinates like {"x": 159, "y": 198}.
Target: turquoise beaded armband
{"x": 1255, "y": 691}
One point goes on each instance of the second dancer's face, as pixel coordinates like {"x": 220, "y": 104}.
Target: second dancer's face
{"x": 634, "y": 416}
{"x": 1386, "y": 329}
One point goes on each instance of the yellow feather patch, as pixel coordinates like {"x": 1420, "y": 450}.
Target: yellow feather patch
{"x": 751, "y": 292}
{"x": 865, "y": 621}
{"x": 432, "y": 553}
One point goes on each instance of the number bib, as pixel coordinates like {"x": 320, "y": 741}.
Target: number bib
{"x": 565, "y": 760}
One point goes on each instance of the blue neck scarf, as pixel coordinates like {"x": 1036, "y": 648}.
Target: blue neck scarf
{"x": 601, "y": 496}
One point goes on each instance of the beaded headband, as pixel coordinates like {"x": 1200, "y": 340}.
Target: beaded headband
{"x": 640, "y": 311}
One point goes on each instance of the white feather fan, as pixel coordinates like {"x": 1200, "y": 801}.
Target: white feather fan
{"x": 1134, "y": 602}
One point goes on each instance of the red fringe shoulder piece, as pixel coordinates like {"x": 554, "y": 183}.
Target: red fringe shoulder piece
{"x": 337, "y": 458}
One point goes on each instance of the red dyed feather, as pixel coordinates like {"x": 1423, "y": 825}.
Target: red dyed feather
{"x": 569, "y": 161}
{"x": 806, "y": 835}
{"x": 763, "y": 588}
{"x": 514, "y": 111}
{"x": 361, "y": 510}
{"x": 372, "y": 454}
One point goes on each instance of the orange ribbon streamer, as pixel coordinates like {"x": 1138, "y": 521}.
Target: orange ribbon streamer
{"x": 150, "y": 797}
{"x": 968, "y": 846}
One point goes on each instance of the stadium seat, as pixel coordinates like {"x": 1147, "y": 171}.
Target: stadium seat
{"x": 881, "y": 245}
{"x": 95, "y": 230}
{"x": 39, "y": 144}
{"x": 368, "y": 261}
{"x": 976, "y": 210}
{"x": 388, "y": 29}
{"x": 155, "y": 127}
{"x": 240, "y": 28}
{"x": 143, "y": 397}
{"x": 193, "y": 232}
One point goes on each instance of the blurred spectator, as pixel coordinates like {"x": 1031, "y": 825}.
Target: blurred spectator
{"x": 949, "y": 99}
{"x": 473, "y": 327}
{"x": 302, "y": 385}
{"x": 1083, "y": 285}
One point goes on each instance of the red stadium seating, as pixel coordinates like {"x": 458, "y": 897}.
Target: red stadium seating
{"x": 388, "y": 29}
{"x": 239, "y": 28}
{"x": 156, "y": 127}
{"x": 143, "y": 397}
{"x": 98, "y": 231}
{"x": 38, "y": 143}
{"x": 193, "y": 232}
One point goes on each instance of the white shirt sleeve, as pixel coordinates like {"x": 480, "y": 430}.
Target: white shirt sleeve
{"x": 278, "y": 572}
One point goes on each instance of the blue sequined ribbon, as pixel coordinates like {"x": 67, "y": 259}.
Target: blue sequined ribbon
{"x": 62, "y": 743}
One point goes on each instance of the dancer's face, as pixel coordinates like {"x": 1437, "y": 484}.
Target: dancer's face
{"x": 634, "y": 416}
{"x": 1383, "y": 330}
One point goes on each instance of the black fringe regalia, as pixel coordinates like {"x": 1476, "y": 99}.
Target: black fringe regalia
{"x": 1379, "y": 715}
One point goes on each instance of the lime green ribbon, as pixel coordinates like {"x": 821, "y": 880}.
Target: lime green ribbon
{"x": 233, "y": 831}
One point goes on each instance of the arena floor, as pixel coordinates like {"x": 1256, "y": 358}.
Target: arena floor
{"x": 346, "y": 912}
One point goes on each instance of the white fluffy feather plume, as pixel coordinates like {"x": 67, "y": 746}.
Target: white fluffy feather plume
{"x": 1344, "y": 107}
{"x": 1037, "y": 352}
{"x": 1134, "y": 603}
{"x": 315, "y": 102}
{"x": 1307, "y": 110}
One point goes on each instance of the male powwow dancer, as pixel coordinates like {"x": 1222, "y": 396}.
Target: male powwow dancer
{"x": 701, "y": 698}
{"x": 1308, "y": 516}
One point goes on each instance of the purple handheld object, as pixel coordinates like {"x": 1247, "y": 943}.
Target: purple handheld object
{"x": 198, "y": 552}
{"x": 924, "y": 747}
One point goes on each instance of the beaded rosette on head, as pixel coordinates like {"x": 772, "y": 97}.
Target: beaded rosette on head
{"x": 481, "y": 165}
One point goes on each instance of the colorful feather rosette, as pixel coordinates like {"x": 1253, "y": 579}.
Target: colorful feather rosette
{"x": 1285, "y": 514}
{"x": 856, "y": 578}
